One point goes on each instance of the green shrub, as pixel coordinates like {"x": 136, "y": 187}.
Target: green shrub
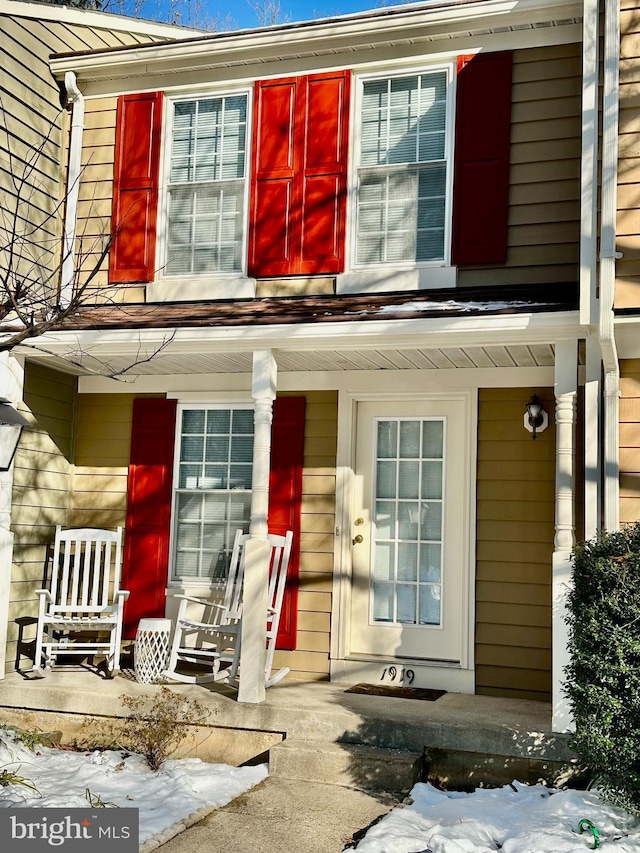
{"x": 603, "y": 676}
{"x": 154, "y": 728}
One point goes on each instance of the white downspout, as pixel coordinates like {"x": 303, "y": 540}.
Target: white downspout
{"x": 608, "y": 255}
{"x": 589, "y": 266}
{"x": 75, "y": 98}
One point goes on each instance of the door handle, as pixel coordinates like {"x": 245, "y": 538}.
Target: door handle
{"x": 358, "y": 539}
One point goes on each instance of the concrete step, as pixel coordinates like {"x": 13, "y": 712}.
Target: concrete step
{"x": 351, "y": 765}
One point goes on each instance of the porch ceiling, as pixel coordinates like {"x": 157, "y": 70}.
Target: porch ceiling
{"x": 167, "y": 363}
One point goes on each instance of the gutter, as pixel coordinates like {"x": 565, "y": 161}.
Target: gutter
{"x": 608, "y": 256}
{"x": 75, "y": 98}
{"x": 372, "y": 27}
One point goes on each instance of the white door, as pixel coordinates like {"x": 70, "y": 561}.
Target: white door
{"x": 410, "y": 550}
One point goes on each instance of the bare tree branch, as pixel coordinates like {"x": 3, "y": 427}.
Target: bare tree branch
{"x": 33, "y": 253}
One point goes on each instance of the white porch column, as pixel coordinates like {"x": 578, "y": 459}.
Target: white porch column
{"x": 257, "y": 552}
{"x": 11, "y": 381}
{"x": 566, "y": 376}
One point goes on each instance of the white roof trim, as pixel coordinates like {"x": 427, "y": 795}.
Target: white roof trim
{"x": 374, "y": 27}
{"x": 425, "y": 333}
{"x": 95, "y": 19}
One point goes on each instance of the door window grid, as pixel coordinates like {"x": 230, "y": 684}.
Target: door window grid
{"x": 206, "y": 186}
{"x": 402, "y": 177}
{"x": 407, "y": 566}
{"x": 213, "y": 494}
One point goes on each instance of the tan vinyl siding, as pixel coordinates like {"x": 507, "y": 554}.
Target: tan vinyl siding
{"x": 627, "y": 293}
{"x": 515, "y": 527}
{"x": 103, "y": 445}
{"x": 629, "y": 440}
{"x": 310, "y": 660}
{"x": 544, "y": 208}
{"x": 41, "y": 483}
{"x": 95, "y": 202}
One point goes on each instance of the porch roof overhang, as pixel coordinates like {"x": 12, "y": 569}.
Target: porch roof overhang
{"x": 415, "y": 23}
{"x": 415, "y": 330}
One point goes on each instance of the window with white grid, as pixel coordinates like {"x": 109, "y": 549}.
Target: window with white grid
{"x": 213, "y": 490}
{"x": 206, "y": 186}
{"x": 402, "y": 174}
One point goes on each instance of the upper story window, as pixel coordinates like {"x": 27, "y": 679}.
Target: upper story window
{"x": 403, "y": 169}
{"x": 205, "y": 228}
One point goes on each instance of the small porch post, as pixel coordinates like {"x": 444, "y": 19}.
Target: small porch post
{"x": 257, "y": 552}
{"x": 11, "y": 382}
{"x": 566, "y": 375}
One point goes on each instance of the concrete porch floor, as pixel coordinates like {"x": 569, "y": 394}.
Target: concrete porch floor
{"x": 315, "y": 731}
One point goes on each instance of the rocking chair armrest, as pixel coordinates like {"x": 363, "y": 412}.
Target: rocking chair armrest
{"x": 198, "y": 600}
{"x": 44, "y": 593}
{"x": 123, "y": 594}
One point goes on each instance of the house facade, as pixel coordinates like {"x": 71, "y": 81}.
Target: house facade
{"x": 346, "y": 254}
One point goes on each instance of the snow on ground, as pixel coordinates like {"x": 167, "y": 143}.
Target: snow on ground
{"x": 513, "y": 819}
{"x": 66, "y": 779}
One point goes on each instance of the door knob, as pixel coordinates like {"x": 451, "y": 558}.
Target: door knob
{"x": 358, "y": 539}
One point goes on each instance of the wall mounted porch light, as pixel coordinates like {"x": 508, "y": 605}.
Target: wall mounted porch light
{"x": 11, "y": 423}
{"x": 535, "y": 418}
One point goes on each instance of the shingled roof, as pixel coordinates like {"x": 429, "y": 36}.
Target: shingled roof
{"x": 329, "y": 308}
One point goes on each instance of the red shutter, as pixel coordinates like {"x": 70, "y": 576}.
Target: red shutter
{"x": 285, "y": 497}
{"x": 481, "y": 177}
{"x": 146, "y": 551}
{"x": 324, "y": 173}
{"x": 298, "y": 195}
{"x": 270, "y": 237}
{"x": 135, "y": 187}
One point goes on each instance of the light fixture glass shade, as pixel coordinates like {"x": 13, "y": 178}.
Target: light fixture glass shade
{"x": 11, "y": 423}
{"x": 535, "y": 418}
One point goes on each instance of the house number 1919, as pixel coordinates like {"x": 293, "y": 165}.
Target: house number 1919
{"x": 393, "y": 673}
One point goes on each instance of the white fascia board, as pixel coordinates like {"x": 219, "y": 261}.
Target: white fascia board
{"x": 366, "y": 334}
{"x": 328, "y": 34}
{"x": 95, "y": 19}
{"x": 161, "y": 76}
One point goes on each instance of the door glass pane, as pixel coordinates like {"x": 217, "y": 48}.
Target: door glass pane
{"x": 385, "y": 520}
{"x": 410, "y": 439}
{"x": 384, "y": 565}
{"x": 386, "y": 480}
{"x": 387, "y": 439}
{"x": 408, "y": 480}
{"x": 383, "y": 595}
{"x": 430, "y": 604}
{"x": 407, "y": 561}
{"x": 430, "y": 563}
{"x": 408, "y": 516}
{"x": 432, "y": 439}
{"x": 406, "y": 604}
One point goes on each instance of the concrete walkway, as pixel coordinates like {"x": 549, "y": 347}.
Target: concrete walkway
{"x": 284, "y": 816}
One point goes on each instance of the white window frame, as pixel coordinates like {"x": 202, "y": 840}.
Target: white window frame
{"x": 174, "y": 582}
{"x": 212, "y": 284}
{"x": 449, "y": 68}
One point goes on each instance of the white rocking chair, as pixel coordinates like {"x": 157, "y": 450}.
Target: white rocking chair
{"x": 220, "y": 625}
{"x": 84, "y": 599}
